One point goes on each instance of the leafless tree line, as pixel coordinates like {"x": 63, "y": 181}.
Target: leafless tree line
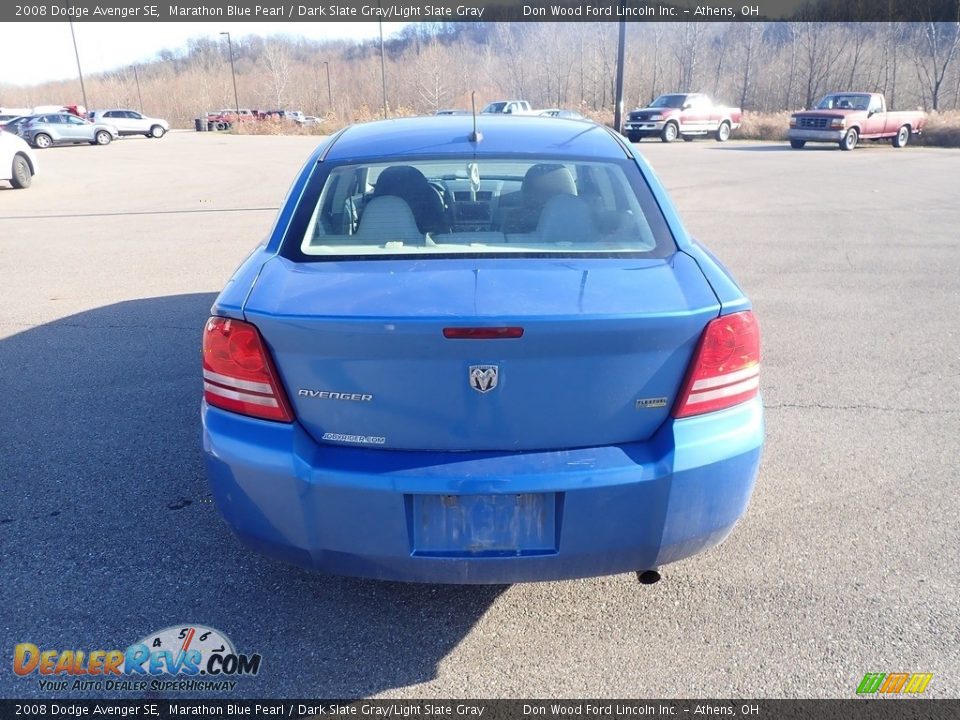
{"x": 764, "y": 67}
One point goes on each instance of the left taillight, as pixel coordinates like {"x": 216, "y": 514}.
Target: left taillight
{"x": 238, "y": 373}
{"x": 725, "y": 370}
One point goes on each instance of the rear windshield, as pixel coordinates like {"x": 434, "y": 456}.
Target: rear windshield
{"x": 483, "y": 206}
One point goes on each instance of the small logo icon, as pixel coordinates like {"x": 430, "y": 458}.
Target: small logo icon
{"x": 483, "y": 378}
{"x": 894, "y": 683}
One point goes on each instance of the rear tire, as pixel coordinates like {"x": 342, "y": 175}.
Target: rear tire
{"x": 103, "y": 138}
{"x": 42, "y": 140}
{"x": 21, "y": 177}
{"x": 849, "y": 141}
{"x": 797, "y": 144}
{"x": 157, "y": 132}
{"x": 723, "y": 132}
{"x": 902, "y": 137}
{"x": 669, "y": 132}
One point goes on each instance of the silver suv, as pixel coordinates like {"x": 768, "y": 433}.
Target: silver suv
{"x": 42, "y": 131}
{"x": 130, "y": 122}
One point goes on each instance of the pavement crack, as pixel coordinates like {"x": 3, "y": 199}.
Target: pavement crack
{"x": 877, "y": 408}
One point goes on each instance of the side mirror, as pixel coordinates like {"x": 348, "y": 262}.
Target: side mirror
{"x": 686, "y": 106}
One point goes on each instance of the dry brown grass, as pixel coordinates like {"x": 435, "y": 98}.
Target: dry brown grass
{"x": 942, "y": 130}
{"x": 763, "y": 126}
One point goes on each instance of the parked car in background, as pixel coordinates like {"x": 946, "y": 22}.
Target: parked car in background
{"x": 559, "y": 113}
{"x": 130, "y": 122}
{"x": 848, "y": 118}
{"x": 684, "y": 115}
{"x": 42, "y": 131}
{"x": 452, "y": 111}
{"x": 18, "y": 163}
{"x": 488, "y": 361}
{"x": 509, "y": 107}
{"x": 310, "y": 121}
{"x": 13, "y": 125}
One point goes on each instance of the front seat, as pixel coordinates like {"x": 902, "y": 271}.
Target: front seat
{"x": 541, "y": 183}
{"x": 388, "y": 219}
{"x": 412, "y": 186}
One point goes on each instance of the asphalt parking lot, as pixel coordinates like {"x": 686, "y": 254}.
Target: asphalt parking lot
{"x": 846, "y": 563}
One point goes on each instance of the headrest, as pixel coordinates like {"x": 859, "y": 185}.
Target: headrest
{"x": 566, "y": 219}
{"x": 544, "y": 181}
{"x": 394, "y": 180}
{"x": 387, "y": 219}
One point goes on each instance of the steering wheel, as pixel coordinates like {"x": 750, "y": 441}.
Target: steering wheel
{"x": 440, "y": 189}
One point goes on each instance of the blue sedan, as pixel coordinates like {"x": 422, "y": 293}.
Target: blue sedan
{"x": 485, "y": 357}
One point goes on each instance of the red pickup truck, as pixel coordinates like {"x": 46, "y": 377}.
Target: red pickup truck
{"x": 847, "y": 118}
{"x": 685, "y": 115}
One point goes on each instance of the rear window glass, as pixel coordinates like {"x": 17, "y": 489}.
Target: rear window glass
{"x": 485, "y": 206}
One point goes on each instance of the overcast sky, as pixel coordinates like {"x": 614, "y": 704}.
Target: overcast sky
{"x": 35, "y": 52}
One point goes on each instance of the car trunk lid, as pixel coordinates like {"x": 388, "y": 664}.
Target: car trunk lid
{"x": 362, "y": 351}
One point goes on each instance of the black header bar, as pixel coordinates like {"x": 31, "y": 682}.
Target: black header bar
{"x": 482, "y": 10}
{"x": 167, "y": 709}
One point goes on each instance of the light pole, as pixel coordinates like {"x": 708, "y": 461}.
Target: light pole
{"x": 618, "y": 110}
{"x": 136, "y": 76}
{"x": 83, "y": 90}
{"x": 383, "y": 71}
{"x": 233, "y": 73}
{"x": 326, "y": 64}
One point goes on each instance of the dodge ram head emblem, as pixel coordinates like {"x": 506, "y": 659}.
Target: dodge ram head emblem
{"x": 483, "y": 378}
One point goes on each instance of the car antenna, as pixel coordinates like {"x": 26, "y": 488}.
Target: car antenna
{"x": 475, "y": 136}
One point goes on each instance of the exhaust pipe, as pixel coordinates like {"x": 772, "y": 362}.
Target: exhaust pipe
{"x": 648, "y": 577}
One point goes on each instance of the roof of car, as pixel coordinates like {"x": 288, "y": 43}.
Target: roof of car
{"x": 448, "y": 135}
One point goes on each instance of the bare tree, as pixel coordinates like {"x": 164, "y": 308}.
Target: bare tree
{"x": 936, "y": 49}
{"x": 276, "y": 57}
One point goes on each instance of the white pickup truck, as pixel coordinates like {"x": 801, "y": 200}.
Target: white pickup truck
{"x": 509, "y": 107}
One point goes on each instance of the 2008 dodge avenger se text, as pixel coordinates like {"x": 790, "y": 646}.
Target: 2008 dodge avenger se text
{"x": 481, "y": 357}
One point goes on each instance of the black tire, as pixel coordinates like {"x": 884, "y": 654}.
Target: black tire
{"x": 634, "y": 138}
{"x": 223, "y": 126}
{"x": 157, "y": 132}
{"x": 849, "y": 141}
{"x": 102, "y": 138}
{"x": 902, "y": 137}
{"x": 723, "y": 132}
{"x": 22, "y": 176}
{"x": 797, "y": 144}
{"x": 687, "y": 138}
{"x": 42, "y": 140}
{"x": 669, "y": 132}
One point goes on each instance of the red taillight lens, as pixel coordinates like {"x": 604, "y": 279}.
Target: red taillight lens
{"x": 238, "y": 374}
{"x": 725, "y": 370}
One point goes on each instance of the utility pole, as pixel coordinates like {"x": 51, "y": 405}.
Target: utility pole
{"x": 233, "y": 73}
{"x": 383, "y": 71}
{"x": 136, "y": 76}
{"x": 621, "y": 42}
{"x": 326, "y": 64}
{"x": 83, "y": 89}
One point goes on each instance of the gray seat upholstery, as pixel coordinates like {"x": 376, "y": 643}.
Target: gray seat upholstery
{"x": 540, "y": 183}
{"x": 411, "y": 186}
{"x": 566, "y": 219}
{"x": 387, "y": 219}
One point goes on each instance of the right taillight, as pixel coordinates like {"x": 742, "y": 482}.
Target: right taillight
{"x": 725, "y": 369}
{"x": 238, "y": 374}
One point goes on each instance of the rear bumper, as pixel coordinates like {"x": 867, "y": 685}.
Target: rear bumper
{"x": 531, "y": 516}
{"x": 816, "y": 135}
